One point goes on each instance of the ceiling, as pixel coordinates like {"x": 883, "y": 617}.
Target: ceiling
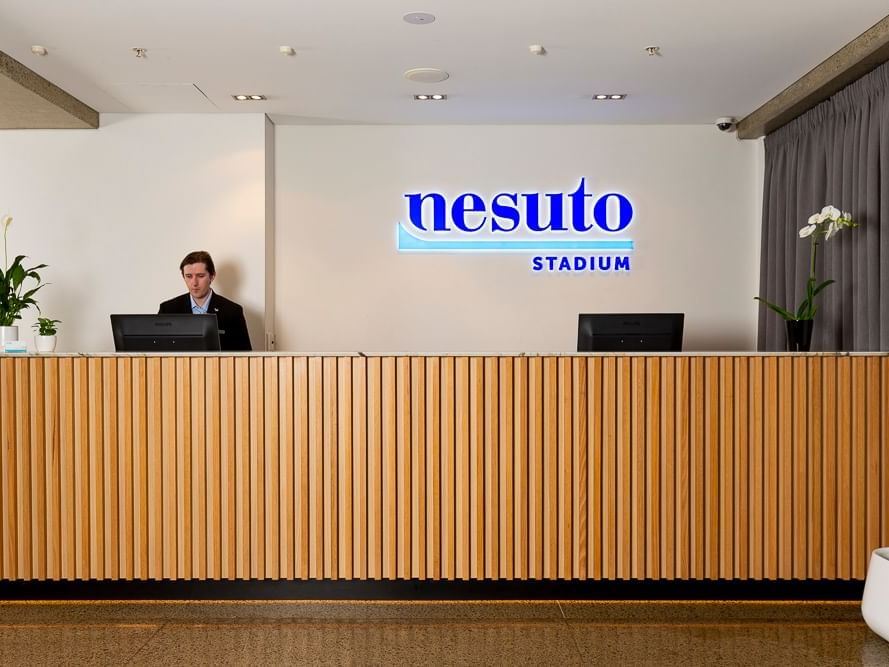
{"x": 716, "y": 58}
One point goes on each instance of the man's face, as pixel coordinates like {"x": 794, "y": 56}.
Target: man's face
{"x": 197, "y": 279}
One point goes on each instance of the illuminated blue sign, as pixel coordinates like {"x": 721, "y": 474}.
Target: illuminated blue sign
{"x": 523, "y": 222}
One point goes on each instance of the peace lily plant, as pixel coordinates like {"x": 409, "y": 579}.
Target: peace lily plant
{"x": 15, "y": 295}
{"x": 822, "y": 225}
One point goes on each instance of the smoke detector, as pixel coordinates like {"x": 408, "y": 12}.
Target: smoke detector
{"x": 426, "y": 75}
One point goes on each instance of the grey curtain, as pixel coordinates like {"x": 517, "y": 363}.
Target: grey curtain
{"x": 836, "y": 153}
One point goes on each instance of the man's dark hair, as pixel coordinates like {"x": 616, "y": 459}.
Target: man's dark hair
{"x": 198, "y": 256}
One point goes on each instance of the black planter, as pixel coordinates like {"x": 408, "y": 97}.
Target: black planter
{"x": 799, "y": 335}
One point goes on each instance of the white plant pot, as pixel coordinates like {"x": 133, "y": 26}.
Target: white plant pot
{"x": 45, "y": 343}
{"x": 8, "y": 333}
{"x": 875, "y": 601}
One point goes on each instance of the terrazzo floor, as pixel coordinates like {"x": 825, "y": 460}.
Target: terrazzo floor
{"x": 443, "y": 633}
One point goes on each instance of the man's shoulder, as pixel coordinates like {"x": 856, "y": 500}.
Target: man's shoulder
{"x": 176, "y": 303}
{"x": 220, "y": 301}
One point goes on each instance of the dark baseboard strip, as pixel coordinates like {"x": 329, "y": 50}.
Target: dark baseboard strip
{"x": 432, "y": 590}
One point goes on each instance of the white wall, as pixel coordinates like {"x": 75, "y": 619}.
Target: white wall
{"x": 114, "y": 210}
{"x": 341, "y": 285}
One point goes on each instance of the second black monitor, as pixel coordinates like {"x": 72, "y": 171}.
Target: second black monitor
{"x": 630, "y": 332}
{"x": 165, "y": 333}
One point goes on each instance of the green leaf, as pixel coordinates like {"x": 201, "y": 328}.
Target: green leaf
{"x": 786, "y": 314}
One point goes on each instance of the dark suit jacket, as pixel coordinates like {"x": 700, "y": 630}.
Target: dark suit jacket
{"x": 233, "y": 336}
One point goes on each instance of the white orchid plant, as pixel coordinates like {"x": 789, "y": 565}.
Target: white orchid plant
{"x": 821, "y": 225}
{"x": 14, "y": 296}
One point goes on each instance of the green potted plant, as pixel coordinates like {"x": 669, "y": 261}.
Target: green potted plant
{"x": 16, "y": 288}
{"x": 45, "y": 340}
{"x": 800, "y": 323}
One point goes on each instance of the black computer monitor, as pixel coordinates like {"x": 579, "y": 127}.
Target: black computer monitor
{"x": 165, "y": 333}
{"x": 630, "y": 332}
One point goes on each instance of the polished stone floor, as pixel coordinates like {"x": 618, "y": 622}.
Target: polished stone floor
{"x": 483, "y": 633}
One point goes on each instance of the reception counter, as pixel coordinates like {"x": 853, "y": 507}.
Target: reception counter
{"x": 583, "y": 467}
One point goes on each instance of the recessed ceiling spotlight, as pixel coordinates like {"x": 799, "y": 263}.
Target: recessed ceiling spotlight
{"x": 140, "y": 51}
{"x": 287, "y": 50}
{"x": 38, "y": 50}
{"x": 436, "y": 97}
{"x": 609, "y": 96}
{"x": 248, "y": 98}
{"x": 418, "y": 18}
{"x": 537, "y": 50}
{"x": 653, "y": 50}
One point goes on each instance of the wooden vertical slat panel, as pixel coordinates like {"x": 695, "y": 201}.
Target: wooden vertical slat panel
{"x": 316, "y": 469}
{"x": 684, "y": 475}
{"x": 669, "y": 473}
{"x": 168, "y": 465}
{"x": 476, "y": 467}
{"x": 374, "y": 469}
{"x": 242, "y": 442}
{"x": 550, "y": 468}
{"x": 535, "y": 468}
{"x": 199, "y": 450}
{"x": 639, "y": 523}
{"x": 125, "y": 446}
{"x": 302, "y": 496}
{"x": 785, "y": 468}
{"x": 24, "y": 497}
{"x": 770, "y": 464}
{"x": 697, "y": 468}
{"x": 390, "y": 469}
{"x": 110, "y": 454}
{"x": 564, "y": 463}
{"x": 741, "y": 568}
{"x": 67, "y": 500}
{"x": 800, "y": 515}
{"x": 330, "y": 460}
{"x": 726, "y": 461}
{"x": 360, "y": 467}
{"x": 506, "y": 470}
{"x": 859, "y": 551}
{"x": 653, "y": 459}
{"x": 182, "y": 389}
{"x": 624, "y": 471}
{"x": 230, "y": 501}
{"x": 873, "y": 448}
{"x": 344, "y": 567}
{"x": 521, "y": 478}
{"x": 813, "y": 447}
{"x": 141, "y": 545}
{"x": 580, "y": 446}
{"x": 256, "y": 447}
{"x": 610, "y": 411}
{"x": 462, "y": 486}
{"x": 829, "y": 473}
{"x": 417, "y": 502}
{"x": 403, "y": 465}
{"x": 287, "y": 481}
{"x": 52, "y": 412}
{"x": 711, "y": 468}
{"x": 272, "y": 501}
{"x": 884, "y": 437}
{"x": 491, "y": 450}
{"x": 9, "y": 492}
{"x": 214, "y": 479}
{"x": 81, "y": 470}
{"x": 433, "y": 468}
{"x": 37, "y": 421}
{"x": 595, "y": 470}
{"x": 844, "y": 469}
{"x": 757, "y": 470}
{"x": 448, "y": 469}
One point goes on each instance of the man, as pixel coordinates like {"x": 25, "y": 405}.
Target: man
{"x": 198, "y": 272}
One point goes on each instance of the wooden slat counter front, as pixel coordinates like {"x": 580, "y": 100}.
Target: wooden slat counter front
{"x": 711, "y": 466}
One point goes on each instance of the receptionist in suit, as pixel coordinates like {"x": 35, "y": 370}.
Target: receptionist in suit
{"x": 198, "y": 272}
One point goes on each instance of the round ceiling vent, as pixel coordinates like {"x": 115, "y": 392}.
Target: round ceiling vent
{"x": 426, "y": 75}
{"x": 419, "y": 18}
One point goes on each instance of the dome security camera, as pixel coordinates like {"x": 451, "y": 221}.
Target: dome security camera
{"x": 726, "y": 124}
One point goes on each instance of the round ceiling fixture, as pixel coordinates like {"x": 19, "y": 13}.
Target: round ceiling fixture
{"x": 418, "y": 18}
{"x": 426, "y": 75}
